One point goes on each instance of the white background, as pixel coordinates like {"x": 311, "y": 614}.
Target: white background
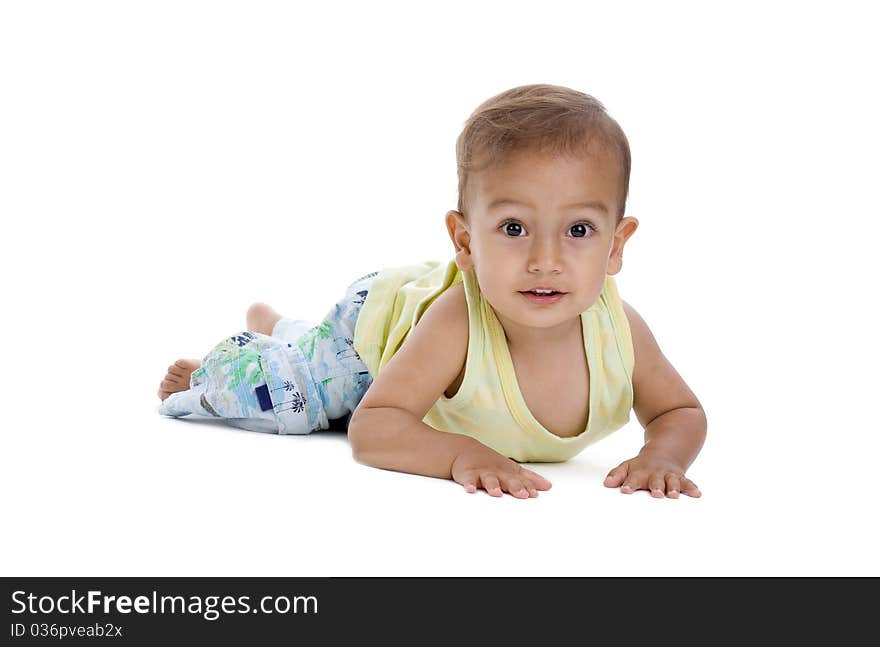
{"x": 163, "y": 165}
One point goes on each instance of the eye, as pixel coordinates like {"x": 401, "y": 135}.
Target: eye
{"x": 584, "y": 227}
{"x": 515, "y": 229}
{"x": 512, "y": 227}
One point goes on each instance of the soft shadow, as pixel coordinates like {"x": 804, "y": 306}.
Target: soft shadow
{"x": 338, "y": 430}
{"x": 580, "y": 467}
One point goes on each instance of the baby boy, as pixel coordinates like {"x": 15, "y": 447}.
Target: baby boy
{"x": 518, "y": 350}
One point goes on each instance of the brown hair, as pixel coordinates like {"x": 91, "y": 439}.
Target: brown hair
{"x": 541, "y": 117}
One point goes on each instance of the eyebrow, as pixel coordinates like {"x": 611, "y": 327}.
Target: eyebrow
{"x": 592, "y": 204}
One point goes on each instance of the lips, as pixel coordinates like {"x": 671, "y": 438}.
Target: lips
{"x": 543, "y": 298}
{"x": 543, "y": 291}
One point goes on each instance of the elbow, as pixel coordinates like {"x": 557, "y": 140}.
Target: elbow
{"x": 374, "y": 434}
{"x": 701, "y": 429}
{"x": 359, "y": 440}
{"x": 356, "y": 440}
{"x": 705, "y": 420}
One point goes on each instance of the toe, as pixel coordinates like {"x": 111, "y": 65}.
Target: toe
{"x": 261, "y": 318}
{"x": 257, "y": 311}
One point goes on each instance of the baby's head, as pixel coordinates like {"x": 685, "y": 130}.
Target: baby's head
{"x": 543, "y": 176}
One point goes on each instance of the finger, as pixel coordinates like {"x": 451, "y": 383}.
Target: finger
{"x": 539, "y": 481}
{"x": 634, "y": 481}
{"x": 490, "y": 484}
{"x": 530, "y": 486}
{"x": 469, "y": 483}
{"x": 690, "y": 488}
{"x": 657, "y": 485}
{"x": 515, "y": 487}
{"x": 174, "y": 369}
{"x": 673, "y": 486}
{"x": 617, "y": 475}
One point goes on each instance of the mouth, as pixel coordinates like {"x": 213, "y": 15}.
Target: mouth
{"x": 543, "y": 297}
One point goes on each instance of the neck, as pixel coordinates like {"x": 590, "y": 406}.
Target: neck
{"x": 527, "y": 340}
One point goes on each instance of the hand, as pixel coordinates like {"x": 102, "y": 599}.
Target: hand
{"x": 480, "y": 465}
{"x": 652, "y": 471}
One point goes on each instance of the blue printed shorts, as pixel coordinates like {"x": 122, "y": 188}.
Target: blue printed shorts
{"x": 291, "y": 382}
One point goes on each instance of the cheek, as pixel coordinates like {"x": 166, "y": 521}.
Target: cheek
{"x": 594, "y": 288}
{"x": 495, "y": 284}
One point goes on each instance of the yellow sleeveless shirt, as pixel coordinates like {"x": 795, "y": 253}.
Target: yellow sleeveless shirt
{"x": 489, "y": 405}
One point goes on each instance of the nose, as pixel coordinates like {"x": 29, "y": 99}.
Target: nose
{"x": 545, "y": 256}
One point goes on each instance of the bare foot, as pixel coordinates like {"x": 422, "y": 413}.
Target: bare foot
{"x": 177, "y": 378}
{"x": 262, "y": 318}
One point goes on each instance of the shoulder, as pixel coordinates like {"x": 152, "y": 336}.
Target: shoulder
{"x": 641, "y": 334}
{"x": 645, "y": 348}
{"x": 453, "y": 299}
{"x": 447, "y": 316}
{"x": 450, "y": 306}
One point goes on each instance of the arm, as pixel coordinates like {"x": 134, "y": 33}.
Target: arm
{"x": 674, "y": 421}
{"x": 678, "y": 433}
{"x": 386, "y": 428}
{"x": 393, "y": 438}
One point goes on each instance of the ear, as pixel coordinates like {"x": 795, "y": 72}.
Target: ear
{"x": 461, "y": 239}
{"x": 625, "y": 228}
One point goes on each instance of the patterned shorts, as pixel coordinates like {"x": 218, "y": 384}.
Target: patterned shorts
{"x": 291, "y": 382}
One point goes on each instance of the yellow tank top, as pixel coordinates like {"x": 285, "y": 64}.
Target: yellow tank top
{"x": 489, "y": 405}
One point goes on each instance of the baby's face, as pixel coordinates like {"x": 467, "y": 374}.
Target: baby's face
{"x": 543, "y": 221}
